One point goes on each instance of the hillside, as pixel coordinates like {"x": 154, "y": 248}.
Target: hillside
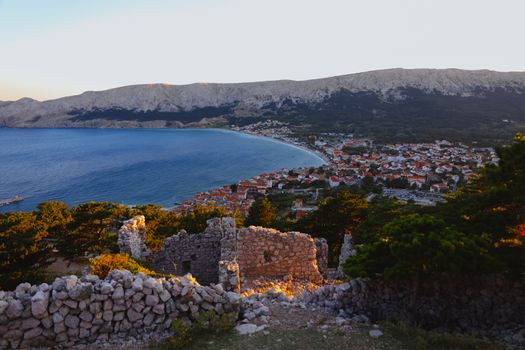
{"x": 394, "y": 104}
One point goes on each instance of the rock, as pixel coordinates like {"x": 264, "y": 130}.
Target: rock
{"x": 152, "y": 300}
{"x": 119, "y": 316}
{"x": 72, "y": 321}
{"x": 14, "y": 308}
{"x": 3, "y": 306}
{"x": 70, "y": 282}
{"x": 133, "y": 315}
{"x": 57, "y": 317}
{"x": 248, "y": 328}
{"x": 233, "y": 298}
{"x": 83, "y": 333}
{"x": 158, "y": 309}
{"x": 249, "y": 315}
{"x": 165, "y": 296}
{"x": 375, "y": 333}
{"x": 71, "y": 303}
{"x": 107, "y": 315}
{"x": 106, "y": 288}
{"x": 39, "y": 303}
{"x": 29, "y": 323}
{"x": 86, "y": 316}
{"x": 118, "y": 293}
{"x": 339, "y": 321}
{"x": 81, "y": 291}
{"x": 137, "y": 284}
{"x": 33, "y": 333}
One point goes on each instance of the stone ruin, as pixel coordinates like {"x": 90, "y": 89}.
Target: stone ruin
{"x": 347, "y": 249}
{"x": 131, "y": 237}
{"x": 263, "y": 252}
{"x": 224, "y": 254}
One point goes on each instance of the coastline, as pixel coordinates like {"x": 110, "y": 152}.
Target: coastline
{"x": 316, "y": 153}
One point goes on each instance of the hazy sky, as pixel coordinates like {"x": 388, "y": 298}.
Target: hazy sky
{"x": 52, "y": 48}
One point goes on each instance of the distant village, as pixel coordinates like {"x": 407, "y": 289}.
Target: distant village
{"x": 419, "y": 172}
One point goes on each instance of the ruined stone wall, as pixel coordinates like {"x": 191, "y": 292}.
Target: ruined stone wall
{"x": 321, "y": 255}
{"x": 199, "y": 254}
{"x": 131, "y": 239}
{"x": 263, "y": 252}
{"x": 224, "y": 254}
{"x": 89, "y": 310}
{"x": 347, "y": 250}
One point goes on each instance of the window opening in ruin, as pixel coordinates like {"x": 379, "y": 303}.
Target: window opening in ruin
{"x": 267, "y": 257}
{"x": 193, "y": 257}
{"x": 186, "y": 267}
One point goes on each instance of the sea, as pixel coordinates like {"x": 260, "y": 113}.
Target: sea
{"x": 133, "y": 166}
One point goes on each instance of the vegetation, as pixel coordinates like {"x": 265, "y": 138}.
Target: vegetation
{"x": 479, "y": 229}
{"x": 206, "y": 324}
{"x": 91, "y": 229}
{"x": 262, "y": 213}
{"x": 420, "y": 117}
{"x": 24, "y": 251}
{"x": 27, "y": 239}
{"x": 105, "y": 263}
{"x": 336, "y": 216}
{"x": 414, "y": 338}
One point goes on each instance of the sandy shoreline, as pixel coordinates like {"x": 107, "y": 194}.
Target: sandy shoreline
{"x": 318, "y": 154}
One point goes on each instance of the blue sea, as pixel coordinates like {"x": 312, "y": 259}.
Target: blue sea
{"x": 132, "y": 166}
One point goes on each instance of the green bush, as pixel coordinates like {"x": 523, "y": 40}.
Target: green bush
{"x": 205, "y": 324}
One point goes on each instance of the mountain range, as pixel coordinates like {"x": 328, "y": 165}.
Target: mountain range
{"x": 392, "y": 104}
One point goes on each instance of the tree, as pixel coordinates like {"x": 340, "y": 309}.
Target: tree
{"x": 195, "y": 221}
{"x": 380, "y": 211}
{"x": 336, "y": 216}
{"x": 494, "y": 205}
{"x": 93, "y": 228}
{"x": 55, "y": 216}
{"x": 414, "y": 245}
{"x": 24, "y": 251}
{"x": 261, "y": 213}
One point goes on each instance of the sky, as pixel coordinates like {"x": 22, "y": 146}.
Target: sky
{"x": 55, "y": 48}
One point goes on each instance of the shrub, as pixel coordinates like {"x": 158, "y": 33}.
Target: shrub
{"x": 105, "y": 263}
{"x": 205, "y": 324}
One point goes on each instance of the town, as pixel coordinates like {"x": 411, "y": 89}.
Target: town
{"x": 418, "y": 172}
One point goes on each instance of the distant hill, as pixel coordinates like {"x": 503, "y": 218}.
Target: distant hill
{"x": 393, "y": 104}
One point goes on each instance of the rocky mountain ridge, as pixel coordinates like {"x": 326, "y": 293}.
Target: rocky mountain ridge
{"x": 241, "y": 99}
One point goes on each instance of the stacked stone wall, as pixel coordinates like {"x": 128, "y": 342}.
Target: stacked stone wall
{"x": 123, "y": 306}
{"x": 488, "y": 306}
{"x": 263, "y": 252}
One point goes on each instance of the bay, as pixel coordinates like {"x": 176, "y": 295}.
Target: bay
{"x": 132, "y": 166}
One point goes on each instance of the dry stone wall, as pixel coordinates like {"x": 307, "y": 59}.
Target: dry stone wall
{"x": 263, "y": 252}
{"x": 487, "y": 306}
{"x": 75, "y": 311}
